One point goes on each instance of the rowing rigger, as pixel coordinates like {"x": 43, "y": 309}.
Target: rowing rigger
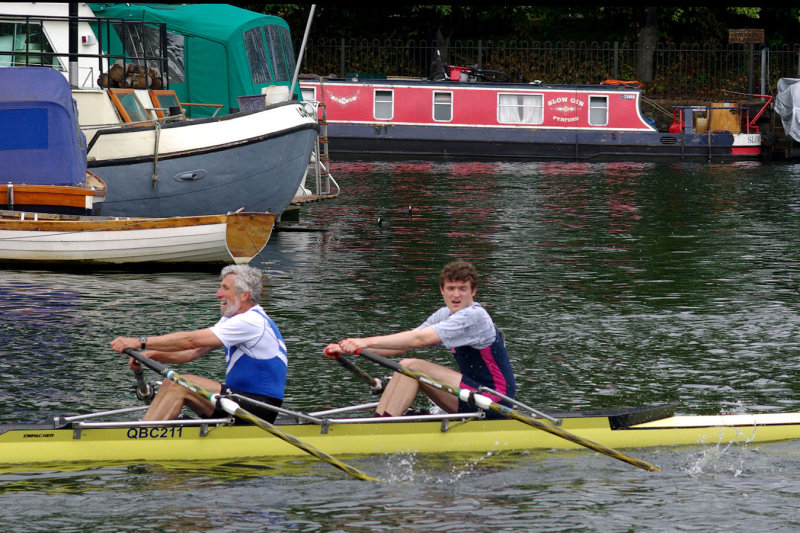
{"x": 118, "y": 437}
{"x": 484, "y": 402}
{"x": 114, "y": 437}
{"x": 231, "y": 407}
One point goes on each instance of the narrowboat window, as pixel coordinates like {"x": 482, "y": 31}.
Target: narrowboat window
{"x": 309, "y": 94}
{"x": 15, "y": 38}
{"x": 598, "y": 110}
{"x": 520, "y": 108}
{"x": 384, "y": 104}
{"x": 442, "y": 106}
{"x": 257, "y": 56}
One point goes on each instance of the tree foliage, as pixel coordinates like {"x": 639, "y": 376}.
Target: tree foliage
{"x": 622, "y": 23}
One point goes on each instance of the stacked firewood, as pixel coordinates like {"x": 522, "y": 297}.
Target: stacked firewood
{"x": 133, "y": 76}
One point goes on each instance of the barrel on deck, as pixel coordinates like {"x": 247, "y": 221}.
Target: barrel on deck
{"x": 725, "y": 117}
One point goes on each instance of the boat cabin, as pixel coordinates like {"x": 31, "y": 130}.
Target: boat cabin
{"x": 472, "y": 104}
{"x": 205, "y": 43}
{"x": 186, "y": 48}
{"x": 42, "y": 152}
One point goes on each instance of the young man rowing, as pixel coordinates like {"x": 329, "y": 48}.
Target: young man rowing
{"x": 464, "y": 327}
{"x": 254, "y": 351}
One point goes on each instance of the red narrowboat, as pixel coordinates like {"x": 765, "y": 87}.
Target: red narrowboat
{"x": 477, "y": 119}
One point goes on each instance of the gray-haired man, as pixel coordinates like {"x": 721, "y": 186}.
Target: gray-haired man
{"x": 254, "y": 352}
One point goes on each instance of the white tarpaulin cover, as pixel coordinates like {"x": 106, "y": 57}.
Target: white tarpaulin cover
{"x": 787, "y": 106}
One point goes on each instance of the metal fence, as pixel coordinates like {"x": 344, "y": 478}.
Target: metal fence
{"x": 680, "y": 72}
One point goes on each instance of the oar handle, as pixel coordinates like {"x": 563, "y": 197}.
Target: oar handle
{"x": 375, "y": 384}
{"x": 146, "y": 361}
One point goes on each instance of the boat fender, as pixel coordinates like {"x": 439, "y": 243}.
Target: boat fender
{"x": 473, "y": 399}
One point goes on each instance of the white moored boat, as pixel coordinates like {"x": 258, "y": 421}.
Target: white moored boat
{"x": 72, "y": 239}
{"x": 156, "y": 164}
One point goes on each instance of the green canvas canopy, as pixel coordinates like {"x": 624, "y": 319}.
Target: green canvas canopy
{"x": 216, "y": 52}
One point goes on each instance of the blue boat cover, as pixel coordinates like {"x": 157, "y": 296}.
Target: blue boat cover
{"x": 40, "y": 141}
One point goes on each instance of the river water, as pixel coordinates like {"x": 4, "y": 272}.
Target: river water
{"x": 616, "y": 284}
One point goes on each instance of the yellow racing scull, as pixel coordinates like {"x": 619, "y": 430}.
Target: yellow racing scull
{"x": 97, "y": 438}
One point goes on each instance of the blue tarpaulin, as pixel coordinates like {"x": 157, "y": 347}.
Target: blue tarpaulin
{"x": 40, "y": 142}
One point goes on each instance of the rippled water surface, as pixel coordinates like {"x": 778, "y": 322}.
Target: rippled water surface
{"x": 616, "y": 284}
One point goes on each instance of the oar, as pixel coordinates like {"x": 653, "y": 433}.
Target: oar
{"x": 235, "y": 409}
{"x": 375, "y": 384}
{"x": 486, "y": 403}
{"x": 144, "y": 391}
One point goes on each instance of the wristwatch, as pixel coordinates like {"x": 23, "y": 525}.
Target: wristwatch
{"x": 143, "y": 340}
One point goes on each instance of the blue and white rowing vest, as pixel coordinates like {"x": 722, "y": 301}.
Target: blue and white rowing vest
{"x": 255, "y": 353}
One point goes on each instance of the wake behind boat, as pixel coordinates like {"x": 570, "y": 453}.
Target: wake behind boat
{"x": 112, "y": 437}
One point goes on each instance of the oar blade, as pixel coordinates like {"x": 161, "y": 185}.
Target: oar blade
{"x": 581, "y": 441}
{"x": 311, "y": 450}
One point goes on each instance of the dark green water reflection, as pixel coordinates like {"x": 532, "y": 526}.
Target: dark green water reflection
{"x": 615, "y": 284}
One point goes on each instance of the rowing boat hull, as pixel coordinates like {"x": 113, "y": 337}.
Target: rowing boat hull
{"x": 169, "y": 444}
{"x": 211, "y": 239}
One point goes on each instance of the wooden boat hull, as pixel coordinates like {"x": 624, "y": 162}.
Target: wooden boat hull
{"x": 166, "y": 444}
{"x": 211, "y": 239}
{"x": 78, "y": 200}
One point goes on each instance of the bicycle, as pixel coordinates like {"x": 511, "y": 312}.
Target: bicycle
{"x": 469, "y": 73}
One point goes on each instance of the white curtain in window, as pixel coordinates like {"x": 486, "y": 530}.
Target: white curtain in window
{"x": 532, "y": 111}
{"x": 508, "y": 109}
{"x": 6, "y": 45}
{"x": 520, "y": 109}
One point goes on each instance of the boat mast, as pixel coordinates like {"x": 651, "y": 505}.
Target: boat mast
{"x": 73, "y": 44}
{"x": 302, "y": 50}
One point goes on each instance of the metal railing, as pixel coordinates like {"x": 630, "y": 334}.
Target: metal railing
{"x": 37, "y": 50}
{"x": 680, "y": 71}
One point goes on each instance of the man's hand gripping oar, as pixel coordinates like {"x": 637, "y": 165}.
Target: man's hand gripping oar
{"x": 235, "y": 409}
{"x": 487, "y": 404}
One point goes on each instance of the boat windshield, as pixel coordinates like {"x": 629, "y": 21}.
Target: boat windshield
{"x": 25, "y": 44}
